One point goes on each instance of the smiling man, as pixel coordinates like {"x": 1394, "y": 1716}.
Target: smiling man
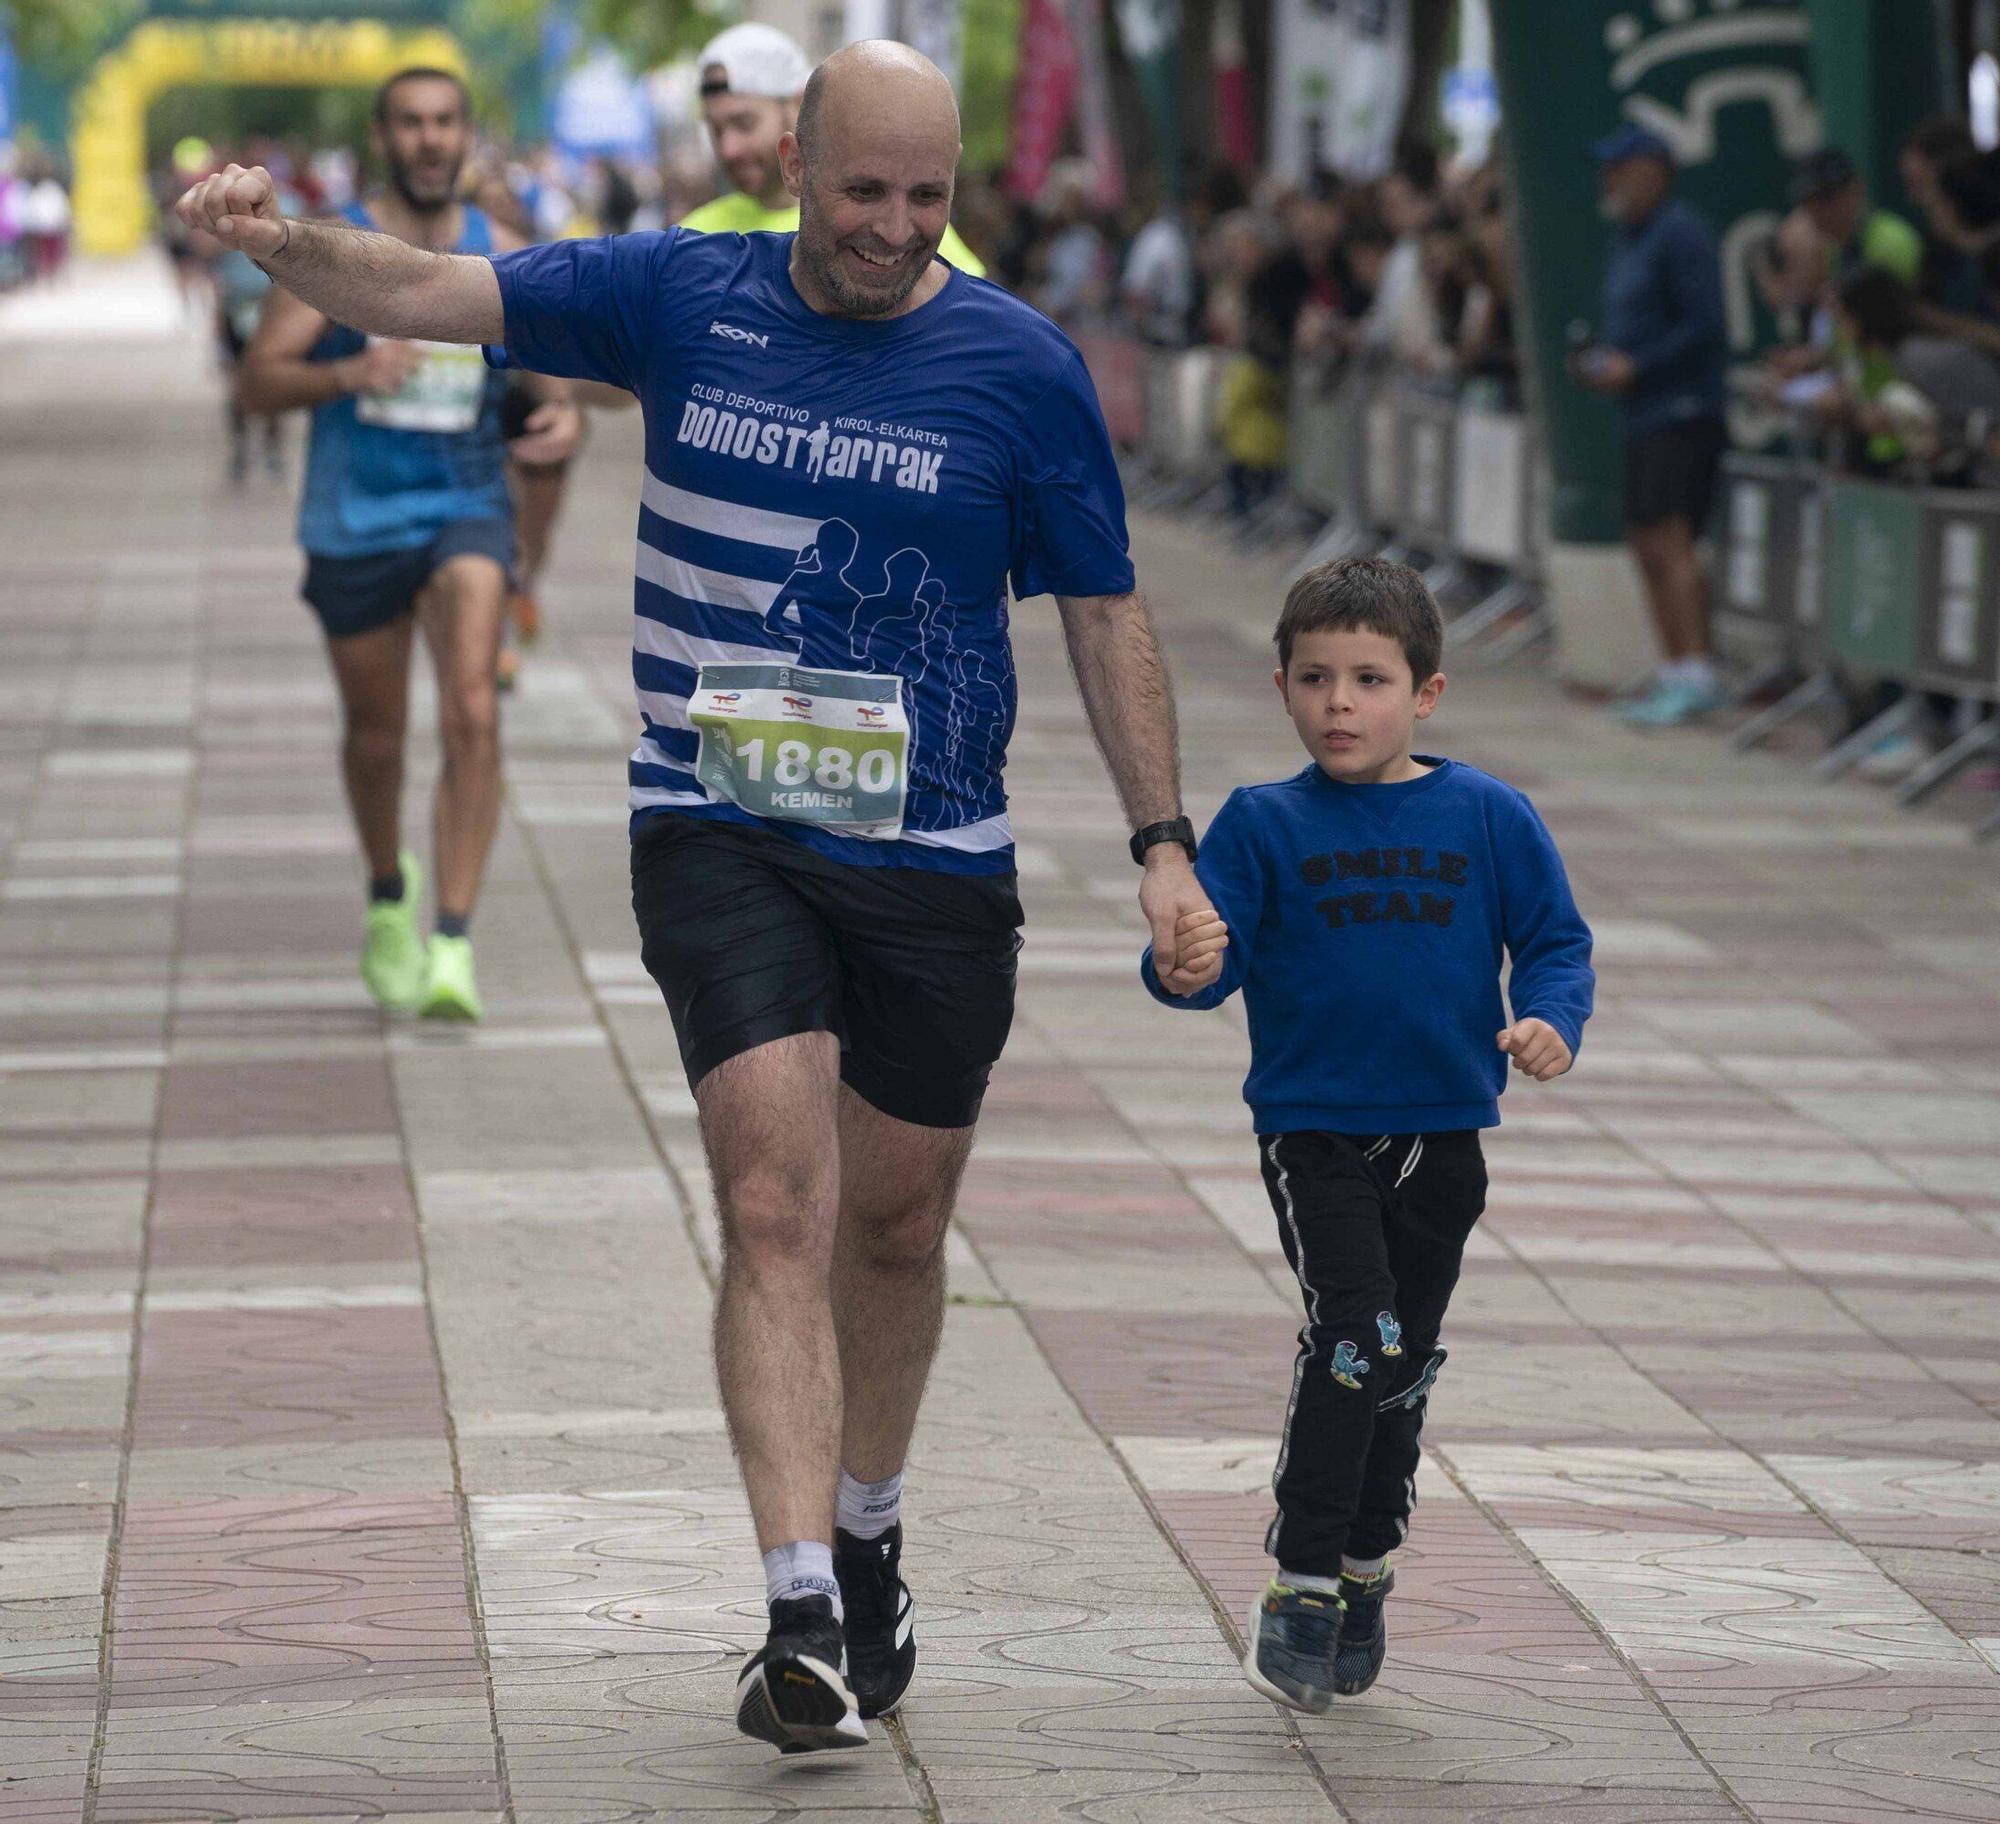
{"x": 851, "y": 449}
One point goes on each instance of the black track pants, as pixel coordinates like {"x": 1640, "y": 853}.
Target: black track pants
{"x": 1375, "y": 1228}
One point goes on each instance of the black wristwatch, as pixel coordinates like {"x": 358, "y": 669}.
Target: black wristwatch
{"x": 1177, "y": 829}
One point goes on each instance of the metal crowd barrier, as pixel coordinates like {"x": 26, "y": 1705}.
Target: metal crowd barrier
{"x": 1389, "y": 466}
{"x": 1821, "y": 579}
{"x": 1843, "y": 580}
{"x": 1425, "y": 476}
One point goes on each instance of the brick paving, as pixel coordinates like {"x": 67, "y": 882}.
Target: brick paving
{"x": 359, "y": 1454}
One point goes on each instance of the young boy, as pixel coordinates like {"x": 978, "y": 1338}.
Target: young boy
{"x": 1364, "y": 907}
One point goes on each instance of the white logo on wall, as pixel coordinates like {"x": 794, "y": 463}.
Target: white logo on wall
{"x": 738, "y": 335}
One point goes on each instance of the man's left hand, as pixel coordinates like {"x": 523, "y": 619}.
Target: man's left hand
{"x": 553, "y": 431}
{"x": 1169, "y": 891}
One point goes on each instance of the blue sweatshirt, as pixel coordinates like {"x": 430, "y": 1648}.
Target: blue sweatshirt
{"x": 1663, "y": 307}
{"x": 1367, "y": 926}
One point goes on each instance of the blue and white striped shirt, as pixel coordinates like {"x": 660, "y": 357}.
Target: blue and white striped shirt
{"x": 843, "y": 494}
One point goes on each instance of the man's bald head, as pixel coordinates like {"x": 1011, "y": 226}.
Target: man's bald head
{"x": 871, "y": 161}
{"x": 872, "y": 87}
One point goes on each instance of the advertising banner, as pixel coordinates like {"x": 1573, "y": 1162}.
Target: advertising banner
{"x": 1338, "y": 79}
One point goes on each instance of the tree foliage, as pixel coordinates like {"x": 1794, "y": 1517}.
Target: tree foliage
{"x": 651, "y": 32}
{"x": 62, "y": 37}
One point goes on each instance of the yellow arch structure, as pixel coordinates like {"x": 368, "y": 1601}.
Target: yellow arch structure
{"x": 108, "y": 115}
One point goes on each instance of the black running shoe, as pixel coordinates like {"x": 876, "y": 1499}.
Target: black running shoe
{"x": 1289, "y": 1656}
{"x": 790, "y": 1692}
{"x": 1364, "y": 1635}
{"x": 881, "y": 1627}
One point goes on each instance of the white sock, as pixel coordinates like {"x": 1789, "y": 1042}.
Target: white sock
{"x": 803, "y": 1568}
{"x": 1697, "y": 669}
{"x": 1298, "y": 1580}
{"x": 868, "y": 1509}
{"x": 1363, "y": 1568}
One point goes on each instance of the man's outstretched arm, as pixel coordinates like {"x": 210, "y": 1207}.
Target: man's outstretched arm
{"x": 371, "y": 282}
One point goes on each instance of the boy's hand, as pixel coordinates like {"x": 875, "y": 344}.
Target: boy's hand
{"x": 1199, "y": 940}
{"x": 1537, "y": 1048}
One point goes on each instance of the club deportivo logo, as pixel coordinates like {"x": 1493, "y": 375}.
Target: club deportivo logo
{"x": 738, "y": 335}
{"x": 851, "y": 449}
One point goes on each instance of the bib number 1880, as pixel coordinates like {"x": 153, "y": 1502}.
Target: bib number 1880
{"x": 827, "y": 748}
{"x": 835, "y": 768}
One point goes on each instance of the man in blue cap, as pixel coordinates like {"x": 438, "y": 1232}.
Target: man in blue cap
{"x": 1660, "y": 351}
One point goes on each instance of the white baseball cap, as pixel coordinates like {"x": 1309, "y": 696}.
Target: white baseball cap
{"x": 756, "y": 60}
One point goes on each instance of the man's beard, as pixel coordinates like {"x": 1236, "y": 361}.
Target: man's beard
{"x": 447, "y": 194}
{"x": 851, "y": 300}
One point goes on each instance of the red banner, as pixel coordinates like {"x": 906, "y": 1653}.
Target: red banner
{"x": 1045, "y": 88}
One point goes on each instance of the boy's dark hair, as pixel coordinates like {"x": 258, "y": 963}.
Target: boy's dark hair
{"x": 1371, "y": 595}
{"x": 420, "y": 73}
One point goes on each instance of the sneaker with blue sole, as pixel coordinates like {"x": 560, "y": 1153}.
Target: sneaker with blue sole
{"x": 1670, "y": 703}
{"x": 1293, "y": 1638}
{"x": 1364, "y": 1635}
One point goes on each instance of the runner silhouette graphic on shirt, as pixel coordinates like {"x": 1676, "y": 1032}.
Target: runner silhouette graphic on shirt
{"x": 815, "y": 605}
{"x": 816, "y": 450}
{"x": 891, "y": 624}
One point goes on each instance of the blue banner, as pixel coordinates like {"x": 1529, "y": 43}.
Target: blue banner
{"x": 6, "y": 85}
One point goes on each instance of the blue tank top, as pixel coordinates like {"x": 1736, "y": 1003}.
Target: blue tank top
{"x": 373, "y": 486}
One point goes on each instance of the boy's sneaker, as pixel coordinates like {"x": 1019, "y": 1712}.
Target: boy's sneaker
{"x": 392, "y": 948}
{"x": 450, "y": 991}
{"x": 1293, "y": 1635}
{"x": 1364, "y": 1636}
{"x": 881, "y": 1630}
{"x": 790, "y": 1692}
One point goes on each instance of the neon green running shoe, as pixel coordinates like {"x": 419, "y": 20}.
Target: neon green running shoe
{"x": 392, "y": 952}
{"x": 450, "y": 993}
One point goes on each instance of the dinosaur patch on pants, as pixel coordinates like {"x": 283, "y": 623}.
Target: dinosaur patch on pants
{"x": 1392, "y": 1333}
{"x": 1347, "y": 1367}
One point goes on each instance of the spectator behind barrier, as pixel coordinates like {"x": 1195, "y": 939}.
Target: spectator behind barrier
{"x": 1950, "y": 276}
{"x": 1829, "y": 189}
{"x": 1403, "y": 322}
{"x": 1935, "y": 397}
{"x": 1660, "y": 352}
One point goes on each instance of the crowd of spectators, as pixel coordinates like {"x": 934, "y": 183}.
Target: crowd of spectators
{"x": 1891, "y": 363}
{"x": 1413, "y": 269}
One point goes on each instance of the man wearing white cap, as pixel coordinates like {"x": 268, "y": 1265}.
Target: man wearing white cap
{"x": 751, "y": 79}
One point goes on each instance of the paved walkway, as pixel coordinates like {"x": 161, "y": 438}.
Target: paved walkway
{"x": 359, "y": 1455}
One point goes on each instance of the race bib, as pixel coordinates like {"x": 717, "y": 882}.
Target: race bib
{"x": 830, "y": 748}
{"x": 443, "y": 393}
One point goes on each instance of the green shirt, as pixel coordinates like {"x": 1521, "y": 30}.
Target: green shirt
{"x": 1886, "y": 240}
{"x": 740, "y": 214}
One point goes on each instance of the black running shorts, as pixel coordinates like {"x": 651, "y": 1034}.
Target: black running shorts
{"x": 354, "y": 595}
{"x": 752, "y": 937}
{"x": 1672, "y": 473}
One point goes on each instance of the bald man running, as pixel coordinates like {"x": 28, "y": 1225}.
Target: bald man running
{"x": 850, "y": 450}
